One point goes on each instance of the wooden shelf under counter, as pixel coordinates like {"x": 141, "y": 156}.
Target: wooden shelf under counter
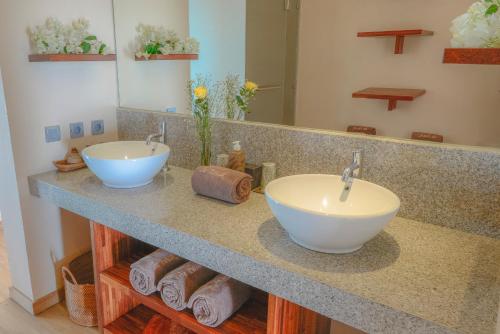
{"x": 251, "y": 318}
{"x": 122, "y": 310}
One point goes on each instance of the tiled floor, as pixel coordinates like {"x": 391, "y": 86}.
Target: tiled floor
{"x": 14, "y": 320}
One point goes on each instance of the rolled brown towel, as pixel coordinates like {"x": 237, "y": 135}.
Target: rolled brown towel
{"x": 217, "y": 300}
{"x": 222, "y": 183}
{"x": 145, "y": 273}
{"x": 178, "y": 285}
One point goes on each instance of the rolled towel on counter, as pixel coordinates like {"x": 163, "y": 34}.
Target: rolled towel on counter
{"x": 217, "y": 300}
{"x": 178, "y": 285}
{"x": 145, "y": 273}
{"x": 222, "y": 183}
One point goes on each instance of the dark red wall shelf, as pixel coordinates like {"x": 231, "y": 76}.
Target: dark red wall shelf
{"x": 393, "y": 95}
{"x": 186, "y": 56}
{"x": 70, "y": 57}
{"x": 399, "y": 34}
{"x": 472, "y": 56}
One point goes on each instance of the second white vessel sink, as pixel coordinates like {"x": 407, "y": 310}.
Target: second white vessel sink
{"x": 126, "y": 164}
{"x": 320, "y": 214}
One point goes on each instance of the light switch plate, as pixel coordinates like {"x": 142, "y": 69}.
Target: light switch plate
{"x": 97, "y": 127}
{"x": 52, "y": 134}
{"x": 76, "y": 130}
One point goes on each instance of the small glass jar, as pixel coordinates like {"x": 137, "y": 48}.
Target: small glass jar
{"x": 268, "y": 173}
{"x": 222, "y": 160}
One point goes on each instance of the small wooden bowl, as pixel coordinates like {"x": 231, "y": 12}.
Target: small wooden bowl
{"x": 65, "y": 167}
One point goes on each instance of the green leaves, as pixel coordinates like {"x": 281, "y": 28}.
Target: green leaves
{"x": 91, "y": 38}
{"x": 102, "y": 48}
{"x": 493, "y": 8}
{"x": 85, "y": 47}
{"x": 152, "y": 48}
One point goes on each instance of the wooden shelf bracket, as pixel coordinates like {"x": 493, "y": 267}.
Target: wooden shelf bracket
{"x": 400, "y": 36}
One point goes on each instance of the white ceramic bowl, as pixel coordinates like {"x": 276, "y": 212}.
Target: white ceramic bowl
{"x": 319, "y": 214}
{"x": 126, "y": 164}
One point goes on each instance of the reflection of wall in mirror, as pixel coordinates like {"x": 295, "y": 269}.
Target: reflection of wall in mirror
{"x": 219, "y": 26}
{"x": 152, "y": 85}
{"x": 461, "y": 103}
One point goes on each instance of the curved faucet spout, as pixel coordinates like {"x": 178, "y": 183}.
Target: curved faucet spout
{"x": 160, "y": 135}
{"x": 352, "y": 171}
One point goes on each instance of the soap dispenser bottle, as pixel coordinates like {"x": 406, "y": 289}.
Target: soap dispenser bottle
{"x": 237, "y": 158}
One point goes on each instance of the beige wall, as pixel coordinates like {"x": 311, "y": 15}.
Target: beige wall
{"x": 155, "y": 85}
{"x": 462, "y": 101}
{"x": 37, "y": 95}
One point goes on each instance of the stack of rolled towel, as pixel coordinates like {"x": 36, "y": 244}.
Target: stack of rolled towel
{"x": 147, "y": 272}
{"x": 212, "y": 297}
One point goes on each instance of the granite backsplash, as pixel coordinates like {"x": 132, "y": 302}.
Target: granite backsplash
{"x": 447, "y": 185}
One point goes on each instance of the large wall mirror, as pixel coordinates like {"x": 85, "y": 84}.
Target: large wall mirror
{"x": 307, "y": 60}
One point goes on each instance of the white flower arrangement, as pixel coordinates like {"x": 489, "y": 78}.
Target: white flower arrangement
{"x": 160, "y": 40}
{"x": 53, "y": 37}
{"x": 479, "y": 27}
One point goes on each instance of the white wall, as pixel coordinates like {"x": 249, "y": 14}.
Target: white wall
{"x": 11, "y": 207}
{"x": 154, "y": 85}
{"x": 41, "y": 94}
{"x": 219, "y": 25}
{"x": 461, "y": 103}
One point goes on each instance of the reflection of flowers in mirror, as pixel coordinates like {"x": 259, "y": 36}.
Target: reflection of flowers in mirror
{"x": 479, "y": 27}
{"x": 247, "y": 93}
{"x": 53, "y": 37}
{"x": 200, "y": 92}
{"x": 155, "y": 40}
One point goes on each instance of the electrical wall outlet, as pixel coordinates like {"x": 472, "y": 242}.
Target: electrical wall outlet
{"x": 52, "y": 134}
{"x": 97, "y": 127}
{"x": 76, "y": 130}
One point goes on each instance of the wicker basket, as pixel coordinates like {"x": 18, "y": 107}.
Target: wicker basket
{"x": 80, "y": 290}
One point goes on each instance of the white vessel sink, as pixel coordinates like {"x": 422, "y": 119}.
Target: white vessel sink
{"x": 126, "y": 164}
{"x": 319, "y": 214}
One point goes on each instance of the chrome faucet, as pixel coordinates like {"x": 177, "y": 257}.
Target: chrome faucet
{"x": 162, "y": 138}
{"x": 353, "y": 171}
{"x": 160, "y": 135}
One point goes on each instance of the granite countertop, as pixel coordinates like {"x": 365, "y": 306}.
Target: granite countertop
{"x": 412, "y": 278}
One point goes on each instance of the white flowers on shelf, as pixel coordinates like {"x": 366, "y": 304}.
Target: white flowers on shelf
{"x": 53, "y": 37}
{"x": 479, "y": 27}
{"x": 153, "y": 40}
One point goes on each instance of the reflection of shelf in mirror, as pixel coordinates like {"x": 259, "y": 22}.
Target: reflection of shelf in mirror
{"x": 399, "y": 34}
{"x": 393, "y": 95}
{"x": 186, "y": 56}
{"x": 472, "y": 56}
{"x": 70, "y": 57}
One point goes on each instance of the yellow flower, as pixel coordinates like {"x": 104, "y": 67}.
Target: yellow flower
{"x": 251, "y": 86}
{"x": 201, "y": 92}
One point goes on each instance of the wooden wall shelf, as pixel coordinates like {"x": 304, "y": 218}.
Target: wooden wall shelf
{"x": 169, "y": 57}
{"x": 399, "y": 34}
{"x": 393, "y": 95}
{"x": 477, "y": 56}
{"x": 70, "y": 57}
